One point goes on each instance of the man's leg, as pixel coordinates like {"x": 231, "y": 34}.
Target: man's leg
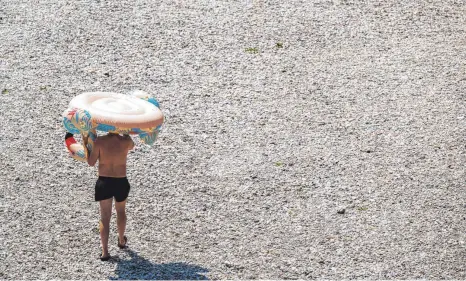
{"x": 120, "y": 208}
{"x": 105, "y": 214}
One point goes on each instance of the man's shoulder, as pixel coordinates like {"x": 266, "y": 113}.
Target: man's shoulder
{"x": 130, "y": 141}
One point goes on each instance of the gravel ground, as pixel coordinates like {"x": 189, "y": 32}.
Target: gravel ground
{"x": 303, "y": 139}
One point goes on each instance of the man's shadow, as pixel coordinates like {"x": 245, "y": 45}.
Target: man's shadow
{"x": 138, "y": 268}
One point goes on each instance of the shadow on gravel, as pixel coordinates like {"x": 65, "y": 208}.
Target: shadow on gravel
{"x": 138, "y": 268}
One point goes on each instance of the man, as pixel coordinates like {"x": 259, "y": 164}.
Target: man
{"x": 111, "y": 150}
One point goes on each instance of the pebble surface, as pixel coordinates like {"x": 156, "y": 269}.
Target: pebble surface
{"x": 303, "y": 139}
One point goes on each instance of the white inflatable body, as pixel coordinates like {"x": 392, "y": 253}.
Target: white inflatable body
{"x": 111, "y": 112}
{"x": 119, "y": 110}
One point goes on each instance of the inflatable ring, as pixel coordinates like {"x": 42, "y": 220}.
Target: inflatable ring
{"x": 88, "y": 113}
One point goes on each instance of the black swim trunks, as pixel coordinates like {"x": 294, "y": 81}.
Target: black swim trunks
{"x": 107, "y": 187}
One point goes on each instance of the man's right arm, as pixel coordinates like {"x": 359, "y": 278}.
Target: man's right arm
{"x": 130, "y": 142}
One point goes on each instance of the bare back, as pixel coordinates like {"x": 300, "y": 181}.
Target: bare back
{"x": 113, "y": 152}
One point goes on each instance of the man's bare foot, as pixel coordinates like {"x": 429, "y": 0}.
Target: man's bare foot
{"x": 104, "y": 257}
{"x": 123, "y": 246}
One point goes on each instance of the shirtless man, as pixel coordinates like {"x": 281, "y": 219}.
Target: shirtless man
{"x": 111, "y": 150}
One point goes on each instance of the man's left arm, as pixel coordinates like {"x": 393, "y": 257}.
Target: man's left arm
{"x": 94, "y": 155}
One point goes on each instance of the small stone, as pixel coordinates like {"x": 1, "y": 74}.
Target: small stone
{"x": 341, "y": 211}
